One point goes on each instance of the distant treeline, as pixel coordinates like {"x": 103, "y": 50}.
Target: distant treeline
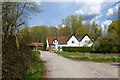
{"x": 70, "y": 25}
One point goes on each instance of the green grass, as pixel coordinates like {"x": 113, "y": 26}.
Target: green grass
{"x": 90, "y": 56}
{"x": 37, "y": 70}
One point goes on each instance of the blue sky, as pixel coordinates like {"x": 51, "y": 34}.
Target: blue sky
{"x": 53, "y": 12}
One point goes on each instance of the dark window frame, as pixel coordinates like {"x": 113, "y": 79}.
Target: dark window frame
{"x": 73, "y": 42}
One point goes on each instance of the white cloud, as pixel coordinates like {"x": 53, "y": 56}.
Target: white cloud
{"x": 107, "y": 22}
{"x": 112, "y": 13}
{"x": 96, "y": 0}
{"x": 105, "y": 25}
{"x": 102, "y": 27}
{"x": 94, "y": 19}
{"x": 88, "y": 8}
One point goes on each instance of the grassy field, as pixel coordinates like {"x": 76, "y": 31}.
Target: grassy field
{"x": 90, "y": 56}
{"x": 37, "y": 70}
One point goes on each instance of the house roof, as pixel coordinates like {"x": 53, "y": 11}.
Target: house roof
{"x": 63, "y": 40}
{"x": 80, "y": 37}
{"x": 36, "y": 43}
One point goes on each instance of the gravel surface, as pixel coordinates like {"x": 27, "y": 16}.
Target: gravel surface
{"x": 60, "y": 67}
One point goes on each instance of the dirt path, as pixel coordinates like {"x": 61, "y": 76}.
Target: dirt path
{"x": 60, "y": 67}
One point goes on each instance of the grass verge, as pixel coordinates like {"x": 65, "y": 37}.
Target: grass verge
{"x": 37, "y": 71}
{"x": 90, "y": 56}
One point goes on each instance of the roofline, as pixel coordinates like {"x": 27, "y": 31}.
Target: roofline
{"x": 84, "y": 36}
{"x": 71, "y": 36}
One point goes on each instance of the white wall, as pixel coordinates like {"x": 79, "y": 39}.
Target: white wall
{"x": 86, "y": 38}
{"x": 47, "y": 44}
{"x": 73, "y": 38}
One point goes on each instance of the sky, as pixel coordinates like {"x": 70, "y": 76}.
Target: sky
{"x": 53, "y": 12}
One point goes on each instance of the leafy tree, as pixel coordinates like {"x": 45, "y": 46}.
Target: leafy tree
{"x": 52, "y": 31}
{"x": 114, "y": 27}
{"x": 95, "y": 31}
{"x": 44, "y": 44}
{"x": 64, "y": 31}
{"x": 15, "y": 61}
{"x": 14, "y": 15}
{"x": 73, "y": 23}
{"x": 25, "y": 34}
{"x": 107, "y": 44}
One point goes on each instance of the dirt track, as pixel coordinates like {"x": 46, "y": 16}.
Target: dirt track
{"x": 60, "y": 67}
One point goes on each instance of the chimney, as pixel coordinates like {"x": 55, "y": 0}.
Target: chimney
{"x": 77, "y": 33}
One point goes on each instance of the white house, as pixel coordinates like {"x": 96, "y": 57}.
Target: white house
{"x": 56, "y": 44}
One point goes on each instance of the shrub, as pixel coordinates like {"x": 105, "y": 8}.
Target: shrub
{"x": 107, "y": 44}
{"x": 40, "y": 48}
{"x": 44, "y": 45}
{"x": 77, "y": 49}
{"x": 16, "y": 61}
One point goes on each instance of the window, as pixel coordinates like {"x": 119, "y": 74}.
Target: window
{"x": 61, "y": 41}
{"x": 55, "y": 41}
{"x": 58, "y": 47}
{"x": 73, "y": 41}
{"x": 52, "y": 48}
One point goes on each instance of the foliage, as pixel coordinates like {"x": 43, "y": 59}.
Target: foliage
{"x": 95, "y": 32}
{"x": 15, "y": 61}
{"x": 77, "y": 49}
{"x": 64, "y": 31}
{"x": 74, "y": 24}
{"x": 17, "y": 56}
{"x": 25, "y": 34}
{"x": 44, "y": 45}
{"x": 14, "y": 15}
{"x": 38, "y": 68}
{"x": 114, "y": 27}
{"x": 40, "y": 48}
{"x": 107, "y": 44}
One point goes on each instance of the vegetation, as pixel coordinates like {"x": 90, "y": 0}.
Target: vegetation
{"x": 90, "y": 56}
{"x": 96, "y": 32}
{"x": 44, "y": 45}
{"x": 77, "y": 49}
{"x": 107, "y": 44}
{"x": 113, "y": 27}
{"x": 37, "y": 68}
{"x": 70, "y": 25}
{"x": 16, "y": 54}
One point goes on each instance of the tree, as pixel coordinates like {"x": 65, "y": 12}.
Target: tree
{"x": 52, "y": 31}
{"x": 114, "y": 27}
{"x": 15, "y": 61}
{"x": 73, "y": 23}
{"x": 44, "y": 44}
{"x": 107, "y": 44}
{"x": 95, "y": 31}
{"x": 14, "y": 15}
{"x": 64, "y": 31}
{"x": 25, "y": 34}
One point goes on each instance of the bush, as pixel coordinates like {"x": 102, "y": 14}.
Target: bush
{"x": 40, "y": 48}
{"x": 77, "y": 49}
{"x": 16, "y": 61}
{"x": 107, "y": 44}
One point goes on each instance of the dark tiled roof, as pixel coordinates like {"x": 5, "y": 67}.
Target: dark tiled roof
{"x": 63, "y": 40}
{"x": 81, "y": 36}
